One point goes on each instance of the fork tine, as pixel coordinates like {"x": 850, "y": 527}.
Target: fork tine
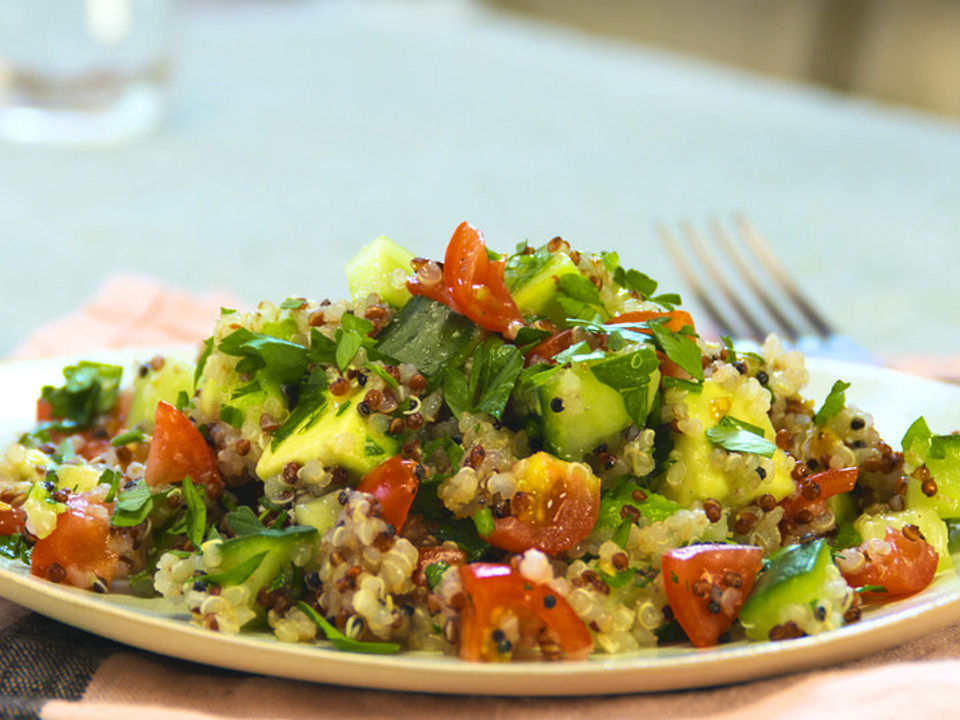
{"x": 690, "y": 277}
{"x": 786, "y": 327}
{"x": 710, "y": 263}
{"x": 772, "y": 266}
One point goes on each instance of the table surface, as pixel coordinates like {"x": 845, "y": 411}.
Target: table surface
{"x": 298, "y": 132}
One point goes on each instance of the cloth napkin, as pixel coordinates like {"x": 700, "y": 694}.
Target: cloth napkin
{"x": 53, "y": 671}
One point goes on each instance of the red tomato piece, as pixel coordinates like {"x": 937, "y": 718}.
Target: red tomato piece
{"x": 11, "y": 521}
{"x": 44, "y": 410}
{"x": 177, "y": 450}
{"x": 907, "y": 569}
{"x": 472, "y": 284}
{"x": 545, "y": 618}
{"x": 678, "y": 319}
{"x": 707, "y": 585}
{"x": 545, "y": 350}
{"x": 812, "y": 491}
{"x": 394, "y": 484}
{"x": 556, "y": 506}
{"x": 78, "y": 550}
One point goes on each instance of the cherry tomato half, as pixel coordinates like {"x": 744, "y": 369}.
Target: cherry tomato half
{"x": 472, "y": 283}
{"x": 11, "y": 521}
{"x": 707, "y": 585}
{"x": 177, "y": 450}
{"x": 812, "y": 491}
{"x": 555, "y": 507}
{"x": 907, "y": 569}
{"x": 545, "y": 618}
{"x": 394, "y": 484}
{"x": 78, "y": 550}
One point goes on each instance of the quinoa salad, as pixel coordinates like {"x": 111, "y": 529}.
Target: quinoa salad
{"x": 530, "y": 455}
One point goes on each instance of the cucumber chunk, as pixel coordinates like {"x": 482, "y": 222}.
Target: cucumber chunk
{"x": 941, "y": 456}
{"x": 154, "y": 386}
{"x": 532, "y": 282}
{"x": 579, "y": 412}
{"x": 800, "y": 585}
{"x": 382, "y": 268}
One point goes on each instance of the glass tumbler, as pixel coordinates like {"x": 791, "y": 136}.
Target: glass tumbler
{"x": 83, "y": 71}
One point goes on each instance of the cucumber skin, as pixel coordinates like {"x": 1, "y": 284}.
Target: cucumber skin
{"x": 278, "y": 545}
{"x": 796, "y": 575}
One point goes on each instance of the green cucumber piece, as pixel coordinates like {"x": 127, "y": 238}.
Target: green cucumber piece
{"x": 532, "y": 282}
{"x": 580, "y": 412}
{"x": 796, "y": 575}
{"x": 380, "y": 267}
{"x": 154, "y": 386}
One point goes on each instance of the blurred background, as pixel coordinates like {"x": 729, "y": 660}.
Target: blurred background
{"x": 251, "y": 148}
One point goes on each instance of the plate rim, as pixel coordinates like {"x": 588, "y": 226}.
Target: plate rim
{"x": 648, "y": 670}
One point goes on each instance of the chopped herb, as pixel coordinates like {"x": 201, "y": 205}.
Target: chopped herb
{"x": 680, "y": 383}
{"x": 434, "y": 573}
{"x": 679, "y": 348}
{"x": 235, "y": 575}
{"x": 580, "y": 352}
{"x": 111, "y": 478}
{"x": 483, "y": 519}
{"x": 250, "y": 387}
{"x": 226, "y": 311}
{"x": 737, "y": 436}
{"x": 580, "y": 288}
{"x": 341, "y": 641}
{"x": 918, "y": 431}
{"x": 667, "y": 300}
{"x": 636, "y": 281}
{"x": 90, "y": 389}
{"x": 871, "y": 589}
{"x": 381, "y": 373}
{"x": 521, "y": 269}
{"x": 196, "y": 515}
{"x": 133, "y": 506}
{"x": 292, "y": 303}
{"x": 284, "y": 360}
{"x": 426, "y": 334}
{"x": 731, "y": 353}
{"x": 202, "y": 360}
{"x": 371, "y": 449}
{"x": 619, "y": 579}
{"x": 308, "y": 410}
{"x": 629, "y": 375}
{"x": 847, "y": 536}
{"x": 343, "y": 408}
{"x": 130, "y": 436}
{"x": 611, "y": 260}
{"x": 348, "y": 343}
{"x": 834, "y": 403}
{"x": 355, "y": 323}
{"x": 15, "y": 547}
{"x": 493, "y": 375}
{"x": 231, "y": 416}
{"x": 182, "y": 400}
{"x": 529, "y": 337}
{"x": 243, "y": 521}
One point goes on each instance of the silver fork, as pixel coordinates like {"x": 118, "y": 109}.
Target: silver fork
{"x": 759, "y": 297}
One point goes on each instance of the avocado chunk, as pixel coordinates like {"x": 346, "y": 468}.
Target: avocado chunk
{"x": 579, "y": 412}
{"x": 382, "y": 268}
{"x": 153, "y": 386}
{"x": 706, "y": 480}
{"x": 800, "y": 579}
{"x": 532, "y": 282}
{"x": 336, "y": 435}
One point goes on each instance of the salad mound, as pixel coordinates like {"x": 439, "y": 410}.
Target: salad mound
{"x": 494, "y": 456}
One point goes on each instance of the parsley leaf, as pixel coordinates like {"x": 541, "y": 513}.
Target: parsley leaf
{"x": 243, "y": 521}
{"x": 130, "y": 436}
{"x": 678, "y": 347}
{"x": 196, "y": 516}
{"x": 521, "y": 269}
{"x": 132, "y": 506}
{"x": 629, "y": 375}
{"x": 284, "y": 360}
{"x": 90, "y": 389}
{"x": 636, "y": 281}
{"x": 341, "y": 641}
{"x": 237, "y": 574}
{"x": 834, "y": 403}
{"x": 483, "y": 519}
{"x": 493, "y": 375}
{"x": 292, "y": 303}
{"x": 434, "y": 573}
{"x": 738, "y": 436}
{"x": 918, "y": 431}
{"x": 231, "y": 416}
{"x": 15, "y": 547}
{"x": 202, "y": 360}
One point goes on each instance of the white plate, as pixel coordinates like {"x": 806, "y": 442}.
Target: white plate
{"x": 894, "y": 399}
